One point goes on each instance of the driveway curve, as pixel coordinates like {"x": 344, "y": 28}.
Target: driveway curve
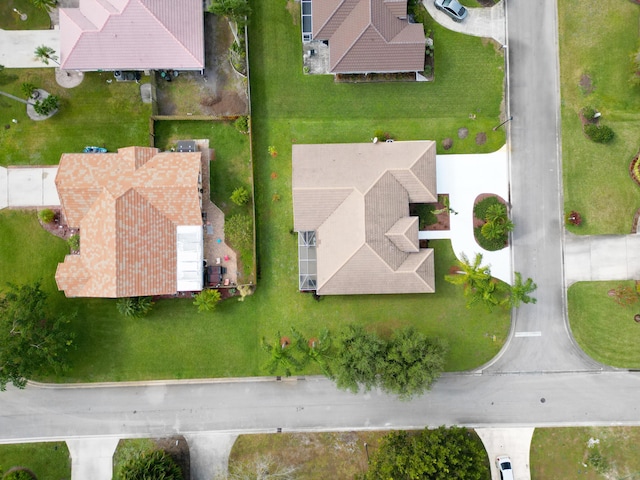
{"x": 480, "y": 22}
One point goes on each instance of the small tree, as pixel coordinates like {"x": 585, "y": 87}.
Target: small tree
{"x": 412, "y": 363}
{"x": 156, "y": 464}
{"x": 242, "y": 124}
{"x": 207, "y": 300}
{"x": 281, "y": 356}
{"x": 47, "y": 105}
{"x": 235, "y": 11}
{"x": 46, "y": 54}
{"x": 360, "y": 357}
{"x": 475, "y": 278}
{"x": 497, "y": 225}
{"x": 28, "y": 89}
{"x": 240, "y": 196}
{"x": 46, "y": 215}
{"x": 134, "y": 307}
{"x": 32, "y": 341}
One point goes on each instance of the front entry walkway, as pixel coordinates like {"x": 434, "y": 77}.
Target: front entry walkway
{"x": 601, "y": 257}
{"x": 464, "y": 177}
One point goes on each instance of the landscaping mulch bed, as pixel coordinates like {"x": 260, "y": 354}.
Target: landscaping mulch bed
{"x": 443, "y": 219}
{"x": 57, "y": 227}
{"x": 178, "y": 448}
{"x": 481, "y": 138}
{"x": 634, "y": 168}
{"x": 479, "y": 222}
{"x": 375, "y": 77}
{"x": 463, "y": 133}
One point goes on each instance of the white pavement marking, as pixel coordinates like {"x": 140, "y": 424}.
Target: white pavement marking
{"x": 513, "y": 442}
{"x": 209, "y": 454}
{"x": 31, "y": 187}
{"x": 464, "y": 177}
{"x": 92, "y": 458}
{"x": 528, "y": 334}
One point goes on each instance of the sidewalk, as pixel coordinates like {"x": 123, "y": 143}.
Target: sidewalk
{"x": 480, "y": 22}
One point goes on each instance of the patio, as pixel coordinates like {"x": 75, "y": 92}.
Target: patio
{"x": 213, "y": 223}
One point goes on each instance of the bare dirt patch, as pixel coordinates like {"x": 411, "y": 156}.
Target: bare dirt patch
{"x": 586, "y": 85}
{"x": 481, "y": 138}
{"x": 463, "y": 133}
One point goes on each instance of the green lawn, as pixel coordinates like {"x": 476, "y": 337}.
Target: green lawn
{"x": 174, "y": 341}
{"x": 562, "y": 453}
{"x": 597, "y": 39}
{"x": 37, "y": 19}
{"x": 604, "y": 329}
{"x": 93, "y": 113}
{"x": 49, "y": 461}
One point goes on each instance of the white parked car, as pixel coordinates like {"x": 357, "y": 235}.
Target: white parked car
{"x": 503, "y": 463}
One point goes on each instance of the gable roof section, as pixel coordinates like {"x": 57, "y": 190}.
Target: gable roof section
{"x": 369, "y": 36}
{"x": 128, "y": 206}
{"x": 132, "y": 35}
{"x": 356, "y": 198}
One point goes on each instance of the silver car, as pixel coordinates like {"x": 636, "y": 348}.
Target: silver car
{"x": 452, "y": 8}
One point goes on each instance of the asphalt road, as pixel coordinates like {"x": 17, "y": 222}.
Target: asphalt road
{"x": 315, "y": 404}
{"x": 540, "y": 336}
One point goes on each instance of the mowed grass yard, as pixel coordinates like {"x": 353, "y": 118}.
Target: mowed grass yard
{"x": 563, "y": 452}
{"x": 174, "y": 341}
{"x": 49, "y": 461}
{"x": 604, "y": 329}
{"x": 109, "y": 115}
{"x": 597, "y": 39}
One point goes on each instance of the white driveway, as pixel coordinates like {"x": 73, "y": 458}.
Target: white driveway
{"x": 513, "y": 442}
{"x": 23, "y": 187}
{"x": 464, "y": 177}
{"x": 17, "y": 47}
{"x": 92, "y": 457}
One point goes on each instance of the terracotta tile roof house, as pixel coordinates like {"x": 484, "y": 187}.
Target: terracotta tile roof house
{"x": 139, "y": 214}
{"x": 132, "y": 35}
{"x": 351, "y": 212}
{"x": 367, "y": 36}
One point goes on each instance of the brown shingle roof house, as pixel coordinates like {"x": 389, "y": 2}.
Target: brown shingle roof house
{"x": 351, "y": 212}
{"x": 367, "y": 36}
{"x": 132, "y": 35}
{"x": 139, "y": 214}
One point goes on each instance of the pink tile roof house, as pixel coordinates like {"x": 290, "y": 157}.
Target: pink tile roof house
{"x": 367, "y": 36}
{"x": 351, "y": 212}
{"x": 132, "y": 35}
{"x": 139, "y": 214}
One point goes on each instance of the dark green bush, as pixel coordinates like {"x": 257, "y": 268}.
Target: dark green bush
{"x": 482, "y": 207}
{"x": 242, "y": 124}
{"x": 487, "y": 243}
{"x": 599, "y": 133}
{"x": 589, "y": 113}
{"x": 74, "y": 242}
{"x": 424, "y": 211}
{"x": 46, "y": 106}
{"x": 19, "y": 475}
{"x": 157, "y": 465}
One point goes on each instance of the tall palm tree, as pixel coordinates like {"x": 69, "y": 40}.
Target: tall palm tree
{"x": 519, "y": 292}
{"x": 476, "y": 280}
{"x": 46, "y": 54}
{"x": 46, "y": 5}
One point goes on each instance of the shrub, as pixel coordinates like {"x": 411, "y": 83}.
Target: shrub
{"x": 156, "y": 464}
{"x": 598, "y": 462}
{"x": 242, "y": 124}
{"x": 273, "y": 151}
{"x": 207, "y": 300}
{"x": 46, "y": 106}
{"x": 238, "y": 231}
{"x": 19, "y": 474}
{"x": 382, "y": 136}
{"x": 46, "y": 215}
{"x": 482, "y": 207}
{"x": 240, "y": 196}
{"x": 574, "y": 218}
{"x": 134, "y": 307}
{"x": 74, "y": 242}
{"x": 490, "y": 244}
{"x": 599, "y": 133}
{"x": 425, "y": 214}
{"x": 589, "y": 113}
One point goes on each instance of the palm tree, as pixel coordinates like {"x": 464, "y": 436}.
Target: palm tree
{"x": 476, "y": 280}
{"x": 281, "y": 356}
{"x": 317, "y": 350}
{"x": 46, "y": 5}
{"x": 519, "y": 292}
{"x": 46, "y": 54}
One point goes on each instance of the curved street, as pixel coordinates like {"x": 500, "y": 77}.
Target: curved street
{"x": 541, "y": 377}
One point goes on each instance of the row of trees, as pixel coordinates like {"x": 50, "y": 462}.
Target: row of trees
{"x": 406, "y": 365}
{"x": 480, "y": 287}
